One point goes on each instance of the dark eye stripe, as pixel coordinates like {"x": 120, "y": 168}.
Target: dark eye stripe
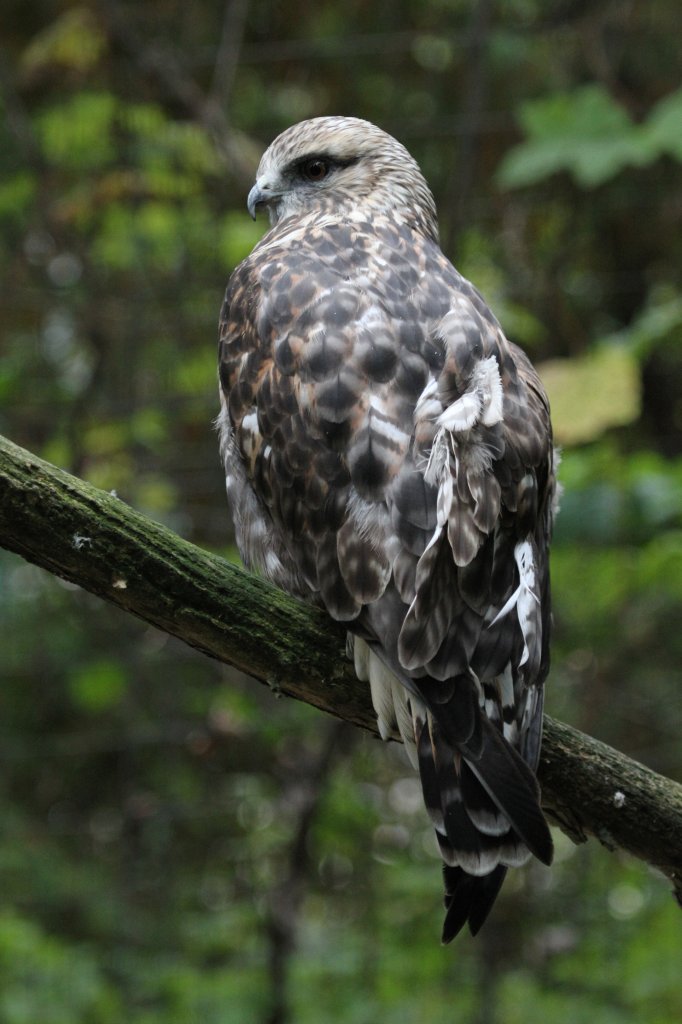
{"x": 299, "y": 165}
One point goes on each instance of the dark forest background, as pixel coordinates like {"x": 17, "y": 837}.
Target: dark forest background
{"x": 176, "y": 845}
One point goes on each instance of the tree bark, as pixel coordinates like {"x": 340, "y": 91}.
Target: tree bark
{"x": 93, "y": 539}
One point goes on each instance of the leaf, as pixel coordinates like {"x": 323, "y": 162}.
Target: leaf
{"x": 590, "y": 394}
{"x": 660, "y": 321}
{"x": 77, "y": 134}
{"x": 584, "y": 132}
{"x": 662, "y": 129}
{"x": 587, "y": 112}
{"x": 74, "y": 40}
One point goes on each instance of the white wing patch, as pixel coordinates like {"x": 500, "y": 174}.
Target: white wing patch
{"x": 525, "y": 598}
{"x": 459, "y": 463}
{"x": 480, "y": 403}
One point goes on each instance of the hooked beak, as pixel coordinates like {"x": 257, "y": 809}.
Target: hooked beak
{"x": 260, "y": 195}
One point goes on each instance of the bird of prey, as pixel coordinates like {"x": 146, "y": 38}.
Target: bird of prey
{"x": 389, "y": 457}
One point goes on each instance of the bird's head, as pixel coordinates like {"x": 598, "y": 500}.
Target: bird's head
{"x": 338, "y": 164}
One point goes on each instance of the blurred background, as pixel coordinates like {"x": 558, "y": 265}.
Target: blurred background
{"x": 175, "y": 845}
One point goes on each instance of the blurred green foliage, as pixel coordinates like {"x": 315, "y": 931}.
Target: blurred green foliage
{"x": 590, "y": 135}
{"x": 176, "y": 845}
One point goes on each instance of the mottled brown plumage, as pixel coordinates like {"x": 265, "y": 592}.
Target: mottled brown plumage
{"x": 389, "y": 456}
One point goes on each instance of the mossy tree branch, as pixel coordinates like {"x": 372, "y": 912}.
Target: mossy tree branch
{"x": 93, "y": 539}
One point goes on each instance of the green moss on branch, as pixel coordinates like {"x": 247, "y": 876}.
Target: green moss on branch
{"x": 93, "y": 539}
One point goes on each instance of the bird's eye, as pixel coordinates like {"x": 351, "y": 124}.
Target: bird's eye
{"x": 315, "y": 169}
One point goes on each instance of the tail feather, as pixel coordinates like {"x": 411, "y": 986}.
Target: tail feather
{"x": 468, "y": 899}
{"x": 461, "y": 843}
{"x": 484, "y": 803}
{"x": 465, "y": 847}
{"x": 481, "y": 795}
{"x": 500, "y": 770}
{"x": 454, "y": 703}
{"x": 481, "y": 808}
{"x": 514, "y": 789}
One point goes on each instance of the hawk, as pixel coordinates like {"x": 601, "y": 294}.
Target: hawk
{"x": 388, "y": 455}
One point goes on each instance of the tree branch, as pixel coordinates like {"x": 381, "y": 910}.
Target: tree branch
{"x": 93, "y": 539}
